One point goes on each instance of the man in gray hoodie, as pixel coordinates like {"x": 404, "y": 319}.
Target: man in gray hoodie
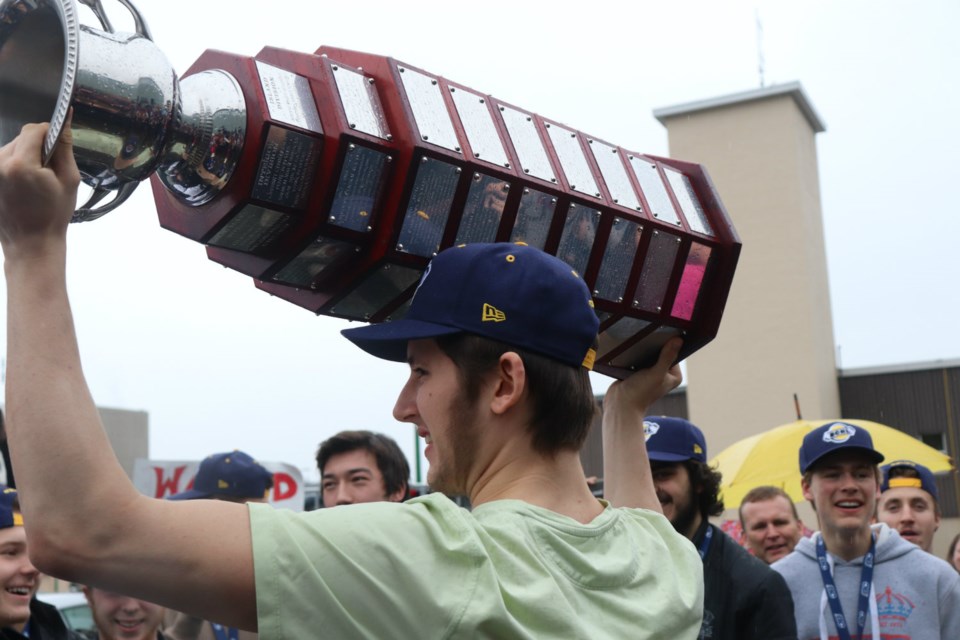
{"x": 854, "y": 580}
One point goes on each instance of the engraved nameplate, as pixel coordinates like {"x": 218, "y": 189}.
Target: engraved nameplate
{"x": 288, "y": 97}
{"x": 379, "y": 289}
{"x": 253, "y": 229}
{"x": 359, "y": 188}
{"x": 483, "y": 209}
{"x": 655, "y": 191}
{"x": 692, "y": 211}
{"x": 478, "y": 124}
{"x": 615, "y": 175}
{"x": 655, "y": 275}
{"x": 320, "y": 255}
{"x": 288, "y": 163}
{"x": 523, "y": 132}
{"x": 428, "y": 208}
{"x": 618, "y": 260}
{"x": 572, "y": 160}
{"x": 361, "y": 104}
{"x": 579, "y": 231}
{"x": 534, "y": 218}
{"x": 429, "y": 110}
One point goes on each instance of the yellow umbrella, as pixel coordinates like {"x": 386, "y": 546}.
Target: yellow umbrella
{"x": 772, "y": 457}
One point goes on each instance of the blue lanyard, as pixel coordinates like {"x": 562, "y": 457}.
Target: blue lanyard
{"x": 224, "y": 633}
{"x": 833, "y": 597}
{"x": 705, "y": 545}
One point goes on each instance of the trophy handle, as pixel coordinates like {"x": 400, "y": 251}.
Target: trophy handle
{"x": 89, "y": 210}
{"x": 87, "y": 213}
{"x": 139, "y": 23}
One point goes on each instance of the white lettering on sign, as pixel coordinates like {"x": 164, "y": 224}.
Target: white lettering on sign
{"x": 163, "y": 478}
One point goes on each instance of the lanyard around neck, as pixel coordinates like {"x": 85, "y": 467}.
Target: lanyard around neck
{"x": 833, "y": 597}
{"x": 224, "y": 633}
{"x": 705, "y": 544}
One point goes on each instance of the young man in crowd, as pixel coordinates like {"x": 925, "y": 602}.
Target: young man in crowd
{"x": 851, "y": 579}
{"x": 120, "y": 617}
{"x": 909, "y": 503}
{"x": 21, "y": 614}
{"x": 361, "y": 466}
{"x": 743, "y": 598}
{"x": 499, "y": 340}
{"x": 770, "y": 523}
{"x": 232, "y": 476}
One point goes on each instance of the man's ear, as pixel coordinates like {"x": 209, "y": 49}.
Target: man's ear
{"x": 510, "y": 383}
{"x": 805, "y": 487}
{"x": 398, "y": 495}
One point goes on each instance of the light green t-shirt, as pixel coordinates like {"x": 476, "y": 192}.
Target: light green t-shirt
{"x": 430, "y": 569}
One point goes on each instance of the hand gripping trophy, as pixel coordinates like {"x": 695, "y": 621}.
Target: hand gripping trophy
{"x": 332, "y": 178}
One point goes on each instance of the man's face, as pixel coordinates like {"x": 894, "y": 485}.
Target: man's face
{"x": 19, "y": 578}
{"x": 770, "y": 528}
{"x": 911, "y": 511}
{"x": 353, "y": 477}
{"x": 676, "y": 494}
{"x": 843, "y": 488}
{"x": 122, "y": 617}
{"x": 432, "y": 399}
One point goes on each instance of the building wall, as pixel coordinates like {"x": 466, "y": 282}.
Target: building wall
{"x": 129, "y": 434}
{"x": 920, "y": 401}
{"x": 776, "y": 338}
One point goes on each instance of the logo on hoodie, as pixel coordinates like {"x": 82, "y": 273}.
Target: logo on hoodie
{"x": 894, "y": 609}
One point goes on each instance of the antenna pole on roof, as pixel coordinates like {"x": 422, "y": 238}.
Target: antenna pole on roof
{"x": 760, "y": 61}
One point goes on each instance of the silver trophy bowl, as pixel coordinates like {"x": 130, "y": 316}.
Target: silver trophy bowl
{"x": 130, "y": 114}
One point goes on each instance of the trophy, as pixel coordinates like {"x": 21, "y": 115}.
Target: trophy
{"x": 332, "y": 178}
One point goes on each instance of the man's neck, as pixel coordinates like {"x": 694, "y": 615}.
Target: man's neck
{"x": 556, "y": 483}
{"x": 847, "y": 544}
{"x": 691, "y": 531}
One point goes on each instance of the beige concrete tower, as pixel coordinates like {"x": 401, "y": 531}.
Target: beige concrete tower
{"x": 776, "y": 338}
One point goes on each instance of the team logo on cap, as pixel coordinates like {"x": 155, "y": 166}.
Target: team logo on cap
{"x": 492, "y": 314}
{"x": 423, "y": 278}
{"x": 650, "y": 429}
{"x": 838, "y": 433}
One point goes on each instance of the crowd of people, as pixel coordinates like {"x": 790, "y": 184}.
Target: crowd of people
{"x": 499, "y": 340}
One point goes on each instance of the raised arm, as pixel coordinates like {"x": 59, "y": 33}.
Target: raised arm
{"x": 85, "y": 521}
{"x": 627, "y": 480}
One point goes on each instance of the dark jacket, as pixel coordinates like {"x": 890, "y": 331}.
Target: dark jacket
{"x": 45, "y": 624}
{"x": 744, "y": 599}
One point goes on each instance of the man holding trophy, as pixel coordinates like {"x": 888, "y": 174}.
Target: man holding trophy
{"x": 538, "y": 557}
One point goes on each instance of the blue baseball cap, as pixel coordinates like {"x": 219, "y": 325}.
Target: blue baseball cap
{"x": 511, "y": 293}
{"x": 673, "y": 440}
{"x": 9, "y": 511}
{"x": 923, "y": 480}
{"x": 228, "y": 474}
{"x": 835, "y": 436}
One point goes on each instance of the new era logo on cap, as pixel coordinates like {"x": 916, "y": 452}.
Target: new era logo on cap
{"x": 492, "y": 314}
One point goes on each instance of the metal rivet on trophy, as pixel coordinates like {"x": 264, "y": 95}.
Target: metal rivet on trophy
{"x": 332, "y": 178}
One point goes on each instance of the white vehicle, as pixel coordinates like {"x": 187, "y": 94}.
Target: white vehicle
{"x": 73, "y": 608}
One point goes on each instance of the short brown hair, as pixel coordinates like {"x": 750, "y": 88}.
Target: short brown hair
{"x": 764, "y": 493}
{"x": 562, "y": 402}
{"x": 390, "y": 459}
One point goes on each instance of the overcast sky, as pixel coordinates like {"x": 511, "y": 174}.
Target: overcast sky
{"x": 219, "y": 364}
